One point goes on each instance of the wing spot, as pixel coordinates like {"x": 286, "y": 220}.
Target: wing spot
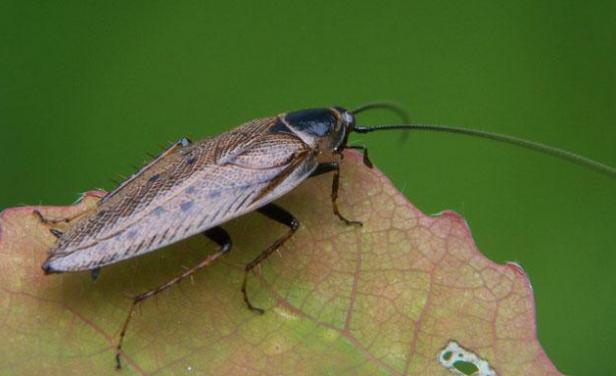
{"x": 190, "y": 189}
{"x": 153, "y": 178}
{"x": 158, "y": 211}
{"x": 185, "y": 206}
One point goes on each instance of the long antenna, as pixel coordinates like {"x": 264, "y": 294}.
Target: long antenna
{"x": 536, "y": 146}
{"x": 400, "y": 111}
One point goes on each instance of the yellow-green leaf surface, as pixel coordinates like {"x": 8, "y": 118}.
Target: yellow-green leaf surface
{"x": 387, "y": 298}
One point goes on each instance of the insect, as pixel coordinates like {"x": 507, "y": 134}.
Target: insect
{"x": 194, "y": 188}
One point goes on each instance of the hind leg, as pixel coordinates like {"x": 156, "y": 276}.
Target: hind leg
{"x": 217, "y": 235}
{"x": 279, "y": 215}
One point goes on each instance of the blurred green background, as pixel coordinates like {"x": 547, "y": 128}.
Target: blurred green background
{"x": 86, "y": 89}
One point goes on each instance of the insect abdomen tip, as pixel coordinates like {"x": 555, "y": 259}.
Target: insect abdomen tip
{"x": 48, "y": 269}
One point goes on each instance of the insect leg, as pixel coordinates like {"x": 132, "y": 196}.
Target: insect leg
{"x": 94, "y": 273}
{"x": 364, "y": 150}
{"x": 57, "y": 226}
{"x": 279, "y": 215}
{"x": 335, "y": 186}
{"x": 55, "y": 221}
{"x": 217, "y": 235}
{"x": 323, "y": 168}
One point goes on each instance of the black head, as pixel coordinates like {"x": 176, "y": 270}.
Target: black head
{"x": 328, "y": 127}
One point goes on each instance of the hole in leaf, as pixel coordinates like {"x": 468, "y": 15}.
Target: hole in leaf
{"x": 466, "y": 368}
{"x": 461, "y": 361}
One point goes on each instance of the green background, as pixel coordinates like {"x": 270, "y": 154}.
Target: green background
{"x": 86, "y": 89}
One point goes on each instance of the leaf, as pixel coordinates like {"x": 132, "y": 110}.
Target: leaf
{"x": 404, "y": 294}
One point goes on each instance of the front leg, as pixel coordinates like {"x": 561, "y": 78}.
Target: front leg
{"x": 326, "y": 167}
{"x": 364, "y": 150}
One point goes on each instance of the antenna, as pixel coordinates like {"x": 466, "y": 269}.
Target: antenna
{"x": 536, "y": 146}
{"x": 395, "y": 108}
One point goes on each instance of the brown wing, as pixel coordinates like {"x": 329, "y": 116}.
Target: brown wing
{"x": 186, "y": 191}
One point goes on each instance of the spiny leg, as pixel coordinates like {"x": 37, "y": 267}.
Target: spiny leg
{"x": 51, "y": 222}
{"x": 279, "y": 215}
{"x": 58, "y": 226}
{"x": 323, "y": 168}
{"x": 217, "y": 235}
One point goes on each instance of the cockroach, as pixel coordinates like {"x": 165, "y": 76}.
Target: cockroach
{"x": 194, "y": 188}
